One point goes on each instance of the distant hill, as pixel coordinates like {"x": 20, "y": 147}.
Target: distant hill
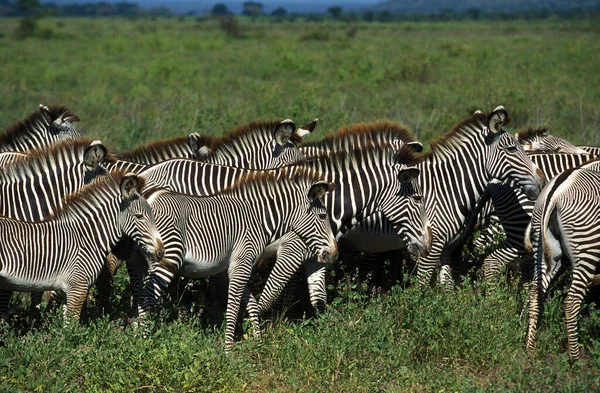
{"x": 435, "y": 6}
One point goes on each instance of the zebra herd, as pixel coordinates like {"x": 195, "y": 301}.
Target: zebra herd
{"x": 200, "y": 206}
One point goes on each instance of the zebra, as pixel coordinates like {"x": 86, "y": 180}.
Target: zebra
{"x": 40, "y": 129}
{"x": 66, "y": 250}
{"x": 454, "y": 176}
{"x": 259, "y": 209}
{"x": 514, "y": 210}
{"x": 201, "y": 179}
{"x": 33, "y": 185}
{"x": 537, "y": 140}
{"x": 565, "y": 223}
{"x": 344, "y": 214}
{"x": 256, "y": 145}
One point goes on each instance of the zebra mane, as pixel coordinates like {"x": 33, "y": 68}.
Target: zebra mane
{"x": 93, "y": 194}
{"x": 41, "y": 119}
{"x": 157, "y": 151}
{"x": 276, "y": 178}
{"x": 530, "y": 133}
{"x": 454, "y": 139}
{"x": 363, "y": 134}
{"x": 372, "y": 152}
{"x": 39, "y": 161}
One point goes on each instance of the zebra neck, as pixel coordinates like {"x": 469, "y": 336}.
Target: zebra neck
{"x": 99, "y": 219}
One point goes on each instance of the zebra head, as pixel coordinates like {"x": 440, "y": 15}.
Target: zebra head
{"x": 60, "y": 122}
{"x": 539, "y": 141}
{"x": 313, "y": 226}
{"x": 137, "y": 219}
{"x": 507, "y": 160}
{"x": 404, "y": 207}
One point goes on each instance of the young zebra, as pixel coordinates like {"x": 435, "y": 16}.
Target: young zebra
{"x": 40, "y": 129}
{"x": 67, "y": 250}
{"x": 259, "y": 209}
{"x": 566, "y": 222}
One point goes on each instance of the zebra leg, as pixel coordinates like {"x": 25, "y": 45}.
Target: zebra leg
{"x": 4, "y": 302}
{"x": 137, "y": 268}
{"x": 426, "y": 266}
{"x": 249, "y": 302}
{"x": 239, "y": 272}
{"x": 34, "y": 307}
{"x": 76, "y": 295}
{"x": 290, "y": 256}
{"x": 582, "y": 276}
{"x": 315, "y": 276}
{"x": 495, "y": 262}
{"x": 105, "y": 281}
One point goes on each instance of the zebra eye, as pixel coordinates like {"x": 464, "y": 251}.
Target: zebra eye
{"x": 417, "y": 198}
{"x": 511, "y": 148}
{"x": 322, "y": 216}
{"x": 139, "y": 216}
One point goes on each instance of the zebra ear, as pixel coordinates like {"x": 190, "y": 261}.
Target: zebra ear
{"x": 416, "y": 146}
{"x": 129, "y": 185}
{"x": 306, "y": 129}
{"x": 407, "y": 175}
{"x": 284, "y": 131}
{"x": 94, "y": 154}
{"x": 497, "y": 119}
{"x": 198, "y": 151}
{"x": 319, "y": 190}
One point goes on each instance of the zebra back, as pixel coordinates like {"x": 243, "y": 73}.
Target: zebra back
{"x": 40, "y": 129}
{"x": 33, "y": 185}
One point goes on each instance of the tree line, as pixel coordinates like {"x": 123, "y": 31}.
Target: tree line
{"x": 24, "y": 8}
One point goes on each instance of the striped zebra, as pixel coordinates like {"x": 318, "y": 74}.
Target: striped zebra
{"x": 259, "y": 209}
{"x": 40, "y": 129}
{"x": 514, "y": 210}
{"x": 373, "y": 139}
{"x": 34, "y": 185}
{"x": 454, "y": 176}
{"x": 256, "y": 145}
{"x": 371, "y": 166}
{"x": 66, "y": 251}
{"x": 565, "y": 224}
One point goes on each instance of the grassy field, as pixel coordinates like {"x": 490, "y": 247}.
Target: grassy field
{"x": 133, "y": 81}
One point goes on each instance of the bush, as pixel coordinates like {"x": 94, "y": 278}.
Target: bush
{"x": 230, "y": 26}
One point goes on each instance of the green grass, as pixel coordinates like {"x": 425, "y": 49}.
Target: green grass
{"x": 404, "y": 341}
{"x": 136, "y": 81}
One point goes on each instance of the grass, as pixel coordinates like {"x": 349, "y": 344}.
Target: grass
{"x": 133, "y": 81}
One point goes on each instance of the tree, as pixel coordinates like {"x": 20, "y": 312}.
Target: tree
{"x": 252, "y": 8}
{"x": 335, "y": 11}
{"x": 220, "y": 9}
{"x": 280, "y": 11}
{"x": 28, "y": 24}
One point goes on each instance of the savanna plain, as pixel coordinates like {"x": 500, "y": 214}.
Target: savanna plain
{"x": 134, "y": 81}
